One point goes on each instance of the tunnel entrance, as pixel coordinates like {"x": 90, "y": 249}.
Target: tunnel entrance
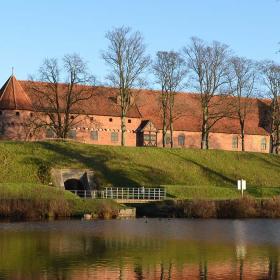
{"x": 74, "y": 184}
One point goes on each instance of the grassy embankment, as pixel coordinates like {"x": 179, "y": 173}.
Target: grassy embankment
{"x": 25, "y": 200}
{"x": 186, "y": 173}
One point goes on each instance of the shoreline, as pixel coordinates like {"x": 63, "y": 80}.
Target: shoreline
{"x": 246, "y": 207}
{"x": 47, "y": 209}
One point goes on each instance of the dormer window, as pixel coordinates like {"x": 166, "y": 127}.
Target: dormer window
{"x": 17, "y": 114}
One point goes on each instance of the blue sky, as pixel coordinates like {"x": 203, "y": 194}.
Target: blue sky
{"x": 32, "y": 30}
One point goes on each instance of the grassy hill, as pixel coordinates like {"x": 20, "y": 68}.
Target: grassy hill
{"x": 186, "y": 173}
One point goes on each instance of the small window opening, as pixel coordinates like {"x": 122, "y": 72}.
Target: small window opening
{"x": 17, "y": 114}
{"x": 129, "y": 121}
{"x": 110, "y": 119}
{"x": 263, "y": 144}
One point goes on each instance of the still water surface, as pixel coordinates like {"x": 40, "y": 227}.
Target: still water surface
{"x": 140, "y": 249}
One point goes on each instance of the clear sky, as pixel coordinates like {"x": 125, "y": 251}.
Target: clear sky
{"x": 31, "y": 30}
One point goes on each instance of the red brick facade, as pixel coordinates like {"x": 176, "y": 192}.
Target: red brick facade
{"x": 100, "y": 121}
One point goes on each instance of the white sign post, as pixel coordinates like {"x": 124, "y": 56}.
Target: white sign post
{"x": 241, "y": 185}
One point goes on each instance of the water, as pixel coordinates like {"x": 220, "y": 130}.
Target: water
{"x": 140, "y": 249}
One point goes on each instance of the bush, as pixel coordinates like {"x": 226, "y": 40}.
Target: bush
{"x": 19, "y": 208}
{"x": 245, "y": 207}
{"x": 200, "y": 209}
{"x": 270, "y": 208}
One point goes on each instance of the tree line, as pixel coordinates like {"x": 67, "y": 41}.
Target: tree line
{"x": 225, "y": 83}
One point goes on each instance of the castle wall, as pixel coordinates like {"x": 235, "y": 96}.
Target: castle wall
{"x": 220, "y": 141}
{"x": 16, "y": 125}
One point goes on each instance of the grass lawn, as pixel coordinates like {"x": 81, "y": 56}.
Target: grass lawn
{"x": 187, "y": 173}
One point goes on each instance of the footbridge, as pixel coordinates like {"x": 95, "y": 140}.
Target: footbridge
{"x": 124, "y": 195}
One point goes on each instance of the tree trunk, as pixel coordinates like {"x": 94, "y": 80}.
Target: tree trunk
{"x": 204, "y": 141}
{"x": 171, "y": 134}
{"x": 277, "y": 140}
{"x": 123, "y": 129}
{"x": 204, "y": 130}
{"x": 171, "y": 126}
{"x": 164, "y": 128}
{"x": 242, "y": 126}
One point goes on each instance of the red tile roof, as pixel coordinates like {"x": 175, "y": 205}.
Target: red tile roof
{"x": 13, "y": 96}
{"x": 188, "y": 114}
{"x": 102, "y": 101}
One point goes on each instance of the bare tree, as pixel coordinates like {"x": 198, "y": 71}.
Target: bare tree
{"x": 242, "y": 79}
{"x": 271, "y": 79}
{"x": 169, "y": 70}
{"x": 208, "y": 65}
{"x": 60, "y": 92}
{"x": 127, "y": 59}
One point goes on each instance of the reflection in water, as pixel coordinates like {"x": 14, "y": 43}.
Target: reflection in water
{"x": 133, "y": 249}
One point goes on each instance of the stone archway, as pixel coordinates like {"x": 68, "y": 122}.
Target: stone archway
{"x": 80, "y": 178}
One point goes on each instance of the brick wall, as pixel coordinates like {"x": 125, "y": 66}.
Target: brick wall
{"x": 222, "y": 141}
{"x": 14, "y": 125}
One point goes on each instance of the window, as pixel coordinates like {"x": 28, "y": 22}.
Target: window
{"x": 1, "y": 113}
{"x": 129, "y": 121}
{"x": 167, "y": 139}
{"x": 94, "y": 135}
{"x": 72, "y": 134}
{"x": 263, "y": 144}
{"x": 31, "y": 115}
{"x": 49, "y": 133}
{"x": 17, "y": 114}
{"x": 110, "y": 120}
{"x": 72, "y": 117}
{"x": 181, "y": 140}
{"x": 114, "y": 136}
{"x": 235, "y": 142}
{"x": 149, "y": 137}
{"x": 91, "y": 119}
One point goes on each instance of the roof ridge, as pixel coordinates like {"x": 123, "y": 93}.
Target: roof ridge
{"x": 14, "y": 91}
{"x": 4, "y": 89}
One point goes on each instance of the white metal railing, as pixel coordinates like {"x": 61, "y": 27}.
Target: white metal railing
{"x": 124, "y": 193}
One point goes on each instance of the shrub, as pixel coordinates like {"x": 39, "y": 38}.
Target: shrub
{"x": 270, "y": 208}
{"x": 200, "y": 209}
{"x": 245, "y": 207}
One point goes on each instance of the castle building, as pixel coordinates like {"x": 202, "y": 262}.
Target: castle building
{"x": 100, "y": 121}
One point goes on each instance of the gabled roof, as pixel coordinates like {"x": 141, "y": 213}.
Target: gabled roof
{"x": 146, "y": 125}
{"x": 13, "y": 96}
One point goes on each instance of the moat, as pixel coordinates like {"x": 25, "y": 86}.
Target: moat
{"x": 140, "y": 249}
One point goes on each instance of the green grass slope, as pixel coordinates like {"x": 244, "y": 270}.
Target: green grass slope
{"x": 135, "y": 166}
